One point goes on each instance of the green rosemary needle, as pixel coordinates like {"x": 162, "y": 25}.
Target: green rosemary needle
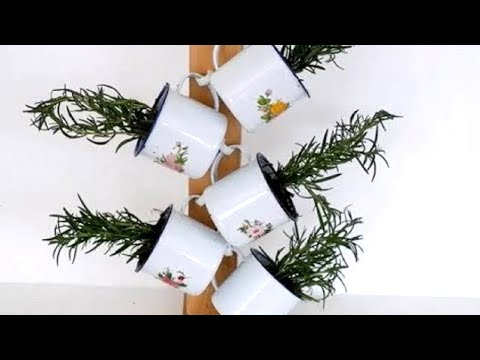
{"x": 99, "y": 116}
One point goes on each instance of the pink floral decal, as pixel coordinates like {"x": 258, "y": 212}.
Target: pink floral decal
{"x": 176, "y": 281}
{"x": 176, "y": 160}
{"x": 255, "y": 230}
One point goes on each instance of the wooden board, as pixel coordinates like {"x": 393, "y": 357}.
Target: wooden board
{"x": 201, "y": 62}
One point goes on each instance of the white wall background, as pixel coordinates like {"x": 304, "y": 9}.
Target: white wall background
{"x": 47, "y": 299}
{"x": 388, "y": 305}
{"x": 41, "y": 173}
{"x": 420, "y": 214}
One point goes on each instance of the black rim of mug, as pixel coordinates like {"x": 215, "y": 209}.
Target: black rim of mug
{"x": 271, "y": 268}
{"x": 157, "y": 106}
{"x": 159, "y": 227}
{"x": 300, "y": 81}
{"x": 284, "y": 198}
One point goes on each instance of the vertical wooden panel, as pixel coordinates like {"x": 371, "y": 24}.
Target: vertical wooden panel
{"x": 201, "y": 62}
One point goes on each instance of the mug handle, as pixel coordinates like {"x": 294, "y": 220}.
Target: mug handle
{"x": 196, "y": 76}
{"x": 226, "y": 150}
{"x": 215, "y": 52}
{"x": 184, "y": 206}
{"x": 229, "y": 249}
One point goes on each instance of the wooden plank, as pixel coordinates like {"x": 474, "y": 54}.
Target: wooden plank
{"x": 201, "y": 62}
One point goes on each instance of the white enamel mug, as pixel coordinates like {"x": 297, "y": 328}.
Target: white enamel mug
{"x": 186, "y": 134}
{"x": 257, "y": 85}
{"x": 252, "y": 290}
{"x": 186, "y": 255}
{"x": 248, "y": 203}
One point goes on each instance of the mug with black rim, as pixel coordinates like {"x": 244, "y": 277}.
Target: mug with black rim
{"x": 248, "y": 203}
{"x": 186, "y": 254}
{"x": 186, "y": 135}
{"x": 257, "y": 85}
{"x": 254, "y": 289}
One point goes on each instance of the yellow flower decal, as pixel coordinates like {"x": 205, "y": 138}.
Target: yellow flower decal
{"x": 270, "y": 109}
{"x": 278, "y": 107}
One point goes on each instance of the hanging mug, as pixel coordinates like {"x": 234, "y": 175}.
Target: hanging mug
{"x": 252, "y": 290}
{"x": 186, "y": 135}
{"x": 249, "y": 202}
{"x": 257, "y": 85}
{"x": 186, "y": 255}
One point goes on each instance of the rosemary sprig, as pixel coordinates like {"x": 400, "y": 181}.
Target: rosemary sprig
{"x": 311, "y": 57}
{"x": 99, "y": 116}
{"x": 121, "y": 233}
{"x": 317, "y": 258}
{"x": 317, "y": 162}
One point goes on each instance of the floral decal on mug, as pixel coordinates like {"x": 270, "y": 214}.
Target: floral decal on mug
{"x": 256, "y": 229}
{"x": 269, "y": 108}
{"x": 177, "y": 281}
{"x": 177, "y": 158}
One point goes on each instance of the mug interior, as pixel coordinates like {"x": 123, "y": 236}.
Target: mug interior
{"x": 157, "y": 107}
{"x": 159, "y": 227}
{"x": 283, "y": 197}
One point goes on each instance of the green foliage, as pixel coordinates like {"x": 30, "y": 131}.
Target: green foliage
{"x": 121, "y": 233}
{"x": 311, "y": 57}
{"x": 317, "y": 162}
{"x": 317, "y": 258}
{"x": 99, "y": 116}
